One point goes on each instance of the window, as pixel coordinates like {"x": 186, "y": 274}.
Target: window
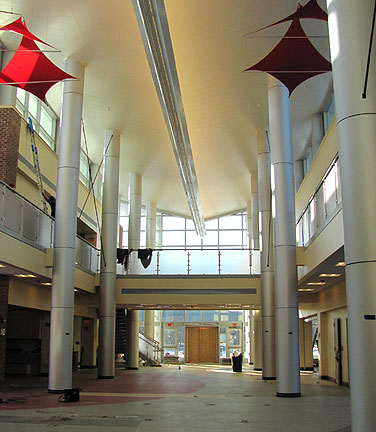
{"x": 84, "y": 169}
{"x": 329, "y": 112}
{"x": 44, "y": 119}
{"x": 169, "y": 337}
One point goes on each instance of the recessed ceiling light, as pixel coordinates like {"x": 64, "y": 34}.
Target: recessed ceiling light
{"x": 2, "y": 266}
{"x": 75, "y": 290}
{"x": 316, "y": 283}
{"x": 340, "y": 264}
{"x": 25, "y": 275}
{"x": 306, "y": 289}
{"x": 330, "y": 275}
{"x": 46, "y": 283}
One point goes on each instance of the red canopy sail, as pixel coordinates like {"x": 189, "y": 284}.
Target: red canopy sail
{"x": 293, "y": 60}
{"x": 310, "y": 11}
{"x": 19, "y": 26}
{"x": 31, "y": 70}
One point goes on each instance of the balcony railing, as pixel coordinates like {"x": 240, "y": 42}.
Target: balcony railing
{"x": 196, "y": 262}
{"x": 322, "y": 206}
{"x": 24, "y": 221}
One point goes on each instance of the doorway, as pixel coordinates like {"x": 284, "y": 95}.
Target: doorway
{"x": 202, "y": 344}
{"x": 338, "y": 350}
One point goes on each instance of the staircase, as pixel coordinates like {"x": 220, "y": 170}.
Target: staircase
{"x": 149, "y": 349}
{"x": 120, "y": 332}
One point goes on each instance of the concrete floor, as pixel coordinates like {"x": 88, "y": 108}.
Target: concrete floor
{"x": 195, "y": 398}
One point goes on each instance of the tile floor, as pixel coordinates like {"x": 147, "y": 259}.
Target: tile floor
{"x": 194, "y": 398}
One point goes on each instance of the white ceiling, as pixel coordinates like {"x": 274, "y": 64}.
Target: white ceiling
{"x": 223, "y": 105}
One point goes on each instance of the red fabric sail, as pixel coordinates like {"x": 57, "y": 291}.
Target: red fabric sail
{"x": 293, "y": 61}
{"x": 19, "y": 26}
{"x": 311, "y": 11}
{"x": 31, "y": 70}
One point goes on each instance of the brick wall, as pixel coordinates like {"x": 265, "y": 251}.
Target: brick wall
{"x": 10, "y": 125}
{"x": 4, "y": 288}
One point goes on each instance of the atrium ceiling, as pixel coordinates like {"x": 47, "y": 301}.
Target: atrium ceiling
{"x": 224, "y": 106}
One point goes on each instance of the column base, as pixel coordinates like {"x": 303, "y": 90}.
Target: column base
{"x": 269, "y": 378}
{"x": 56, "y": 391}
{"x": 288, "y": 394}
{"x": 131, "y": 368}
{"x": 105, "y": 377}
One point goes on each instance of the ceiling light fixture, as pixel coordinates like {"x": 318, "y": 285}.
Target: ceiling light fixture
{"x": 25, "y": 275}
{"x": 2, "y": 266}
{"x": 316, "y": 283}
{"x": 341, "y": 264}
{"x": 330, "y": 275}
{"x": 305, "y": 289}
{"x": 46, "y": 283}
{"x": 153, "y": 25}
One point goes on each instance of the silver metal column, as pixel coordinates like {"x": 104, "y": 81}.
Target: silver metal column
{"x": 149, "y": 323}
{"x": 317, "y": 131}
{"x": 286, "y": 286}
{"x": 132, "y": 343}
{"x": 151, "y": 224}
{"x": 62, "y": 296}
{"x": 110, "y": 222}
{"x": 135, "y": 185}
{"x": 267, "y": 258}
{"x": 255, "y": 211}
{"x": 257, "y": 337}
{"x": 349, "y": 32}
{"x": 8, "y": 94}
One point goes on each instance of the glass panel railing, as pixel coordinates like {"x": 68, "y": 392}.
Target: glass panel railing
{"x": 235, "y": 262}
{"x": 203, "y": 262}
{"x": 322, "y": 205}
{"x": 23, "y": 220}
{"x": 195, "y": 262}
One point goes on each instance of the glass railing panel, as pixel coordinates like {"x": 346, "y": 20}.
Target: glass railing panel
{"x": 203, "y": 262}
{"x": 256, "y": 262}
{"x": 30, "y": 222}
{"x": 173, "y": 262}
{"x": 94, "y": 260}
{"x": 78, "y": 252}
{"x": 12, "y": 211}
{"x": 86, "y": 255}
{"x": 45, "y": 235}
{"x": 235, "y": 262}
{"x": 135, "y": 265}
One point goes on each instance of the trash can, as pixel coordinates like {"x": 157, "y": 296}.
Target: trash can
{"x": 237, "y": 362}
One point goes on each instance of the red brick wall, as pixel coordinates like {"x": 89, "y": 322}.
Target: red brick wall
{"x": 4, "y": 288}
{"x": 10, "y": 125}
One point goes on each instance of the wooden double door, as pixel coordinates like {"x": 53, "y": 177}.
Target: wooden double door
{"x": 201, "y": 345}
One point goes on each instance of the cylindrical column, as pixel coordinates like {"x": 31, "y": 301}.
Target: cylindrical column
{"x": 135, "y": 185}
{"x": 132, "y": 347}
{"x": 267, "y": 261}
{"x": 257, "y": 337}
{"x": 250, "y": 342}
{"x": 62, "y": 296}
{"x": 286, "y": 286}
{"x": 8, "y": 93}
{"x": 299, "y": 173}
{"x": 151, "y": 224}
{"x": 255, "y": 211}
{"x": 107, "y": 293}
{"x": 132, "y": 342}
{"x": 317, "y": 131}
{"x": 149, "y": 323}
{"x": 349, "y": 32}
